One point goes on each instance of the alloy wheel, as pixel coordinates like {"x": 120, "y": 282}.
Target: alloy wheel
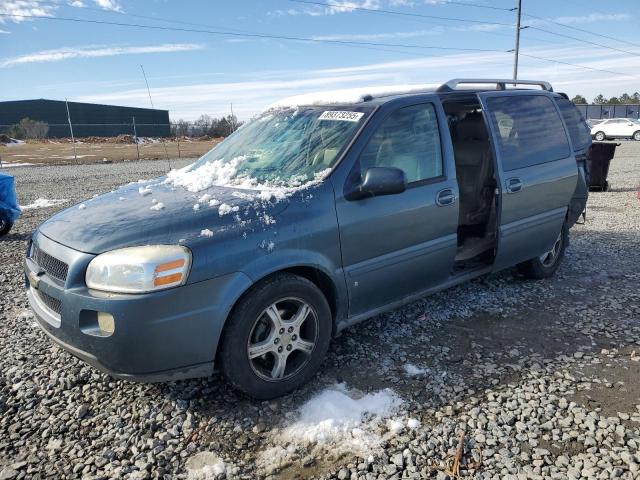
{"x": 282, "y": 339}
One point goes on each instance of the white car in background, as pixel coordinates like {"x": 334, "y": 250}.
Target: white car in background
{"x": 616, "y": 128}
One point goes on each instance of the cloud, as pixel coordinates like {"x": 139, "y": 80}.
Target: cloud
{"x": 109, "y": 5}
{"x": 261, "y": 88}
{"x": 349, "y": 37}
{"x": 595, "y": 17}
{"x": 23, "y": 7}
{"x": 4, "y": 32}
{"x": 335, "y": 7}
{"x": 61, "y": 54}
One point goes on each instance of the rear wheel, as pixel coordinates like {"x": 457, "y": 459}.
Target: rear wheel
{"x": 277, "y": 336}
{"x": 636, "y": 136}
{"x": 546, "y": 264}
{"x": 600, "y": 136}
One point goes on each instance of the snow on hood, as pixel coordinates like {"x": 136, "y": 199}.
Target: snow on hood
{"x": 218, "y": 173}
{"x": 347, "y": 95}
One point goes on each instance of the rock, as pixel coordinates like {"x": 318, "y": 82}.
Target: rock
{"x": 8, "y": 473}
{"x": 82, "y": 411}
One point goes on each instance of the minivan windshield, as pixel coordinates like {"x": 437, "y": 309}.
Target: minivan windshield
{"x": 286, "y": 147}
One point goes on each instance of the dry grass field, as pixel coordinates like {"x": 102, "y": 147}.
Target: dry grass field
{"x": 94, "y": 150}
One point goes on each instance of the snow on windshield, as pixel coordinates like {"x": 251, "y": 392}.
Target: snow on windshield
{"x": 276, "y": 154}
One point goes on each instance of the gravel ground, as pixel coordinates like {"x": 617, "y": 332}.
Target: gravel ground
{"x": 540, "y": 378}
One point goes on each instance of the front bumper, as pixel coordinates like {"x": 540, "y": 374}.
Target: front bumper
{"x": 160, "y": 336}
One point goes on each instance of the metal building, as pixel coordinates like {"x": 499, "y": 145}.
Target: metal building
{"x": 87, "y": 119}
{"x": 596, "y": 111}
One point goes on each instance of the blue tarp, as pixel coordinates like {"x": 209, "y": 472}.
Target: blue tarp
{"x": 8, "y": 201}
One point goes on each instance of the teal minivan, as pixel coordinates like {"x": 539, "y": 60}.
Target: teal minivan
{"x": 307, "y": 220}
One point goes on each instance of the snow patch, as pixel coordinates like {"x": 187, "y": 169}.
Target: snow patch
{"x": 82, "y": 206}
{"x": 205, "y": 465}
{"x": 206, "y": 233}
{"x": 157, "y": 206}
{"x": 196, "y": 207}
{"x": 43, "y": 203}
{"x": 413, "y": 370}
{"x": 336, "y": 420}
{"x": 144, "y": 191}
{"x": 225, "y": 209}
{"x": 7, "y": 165}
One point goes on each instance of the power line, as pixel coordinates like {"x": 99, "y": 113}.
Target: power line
{"x": 253, "y": 35}
{"x": 404, "y": 14}
{"x": 577, "y": 65}
{"x": 305, "y": 39}
{"x": 583, "y": 30}
{"x": 588, "y": 42}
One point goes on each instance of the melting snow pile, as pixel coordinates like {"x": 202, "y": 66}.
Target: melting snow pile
{"x": 205, "y": 465}
{"x": 43, "y": 203}
{"x": 336, "y": 421}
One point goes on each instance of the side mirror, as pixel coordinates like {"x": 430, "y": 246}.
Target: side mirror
{"x": 379, "y": 181}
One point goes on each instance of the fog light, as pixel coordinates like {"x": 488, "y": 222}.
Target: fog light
{"x": 106, "y": 322}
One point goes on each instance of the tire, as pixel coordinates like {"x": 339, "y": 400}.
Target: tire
{"x": 636, "y": 136}
{"x": 546, "y": 264}
{"x": 5, "y": 224}
{"x": 251, "y": 330}
{"x": 600, "y": 136}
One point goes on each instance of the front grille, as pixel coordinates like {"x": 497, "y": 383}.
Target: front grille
{"x": 52, "y": 266}
{"x": 51, "y": 303}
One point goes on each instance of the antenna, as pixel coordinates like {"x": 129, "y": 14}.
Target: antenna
{"x": 233, "y": 120}
{"x": 151, "y": 101}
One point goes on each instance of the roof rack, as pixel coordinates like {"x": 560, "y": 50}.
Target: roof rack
{"x": 501, "y": 84}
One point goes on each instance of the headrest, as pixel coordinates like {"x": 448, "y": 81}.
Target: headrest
{"x": 472, "y": 127}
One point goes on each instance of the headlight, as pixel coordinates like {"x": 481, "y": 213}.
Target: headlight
{"x": 139, "y": 269}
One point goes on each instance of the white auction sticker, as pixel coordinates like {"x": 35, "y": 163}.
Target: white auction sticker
{"x": 341, "y": 116}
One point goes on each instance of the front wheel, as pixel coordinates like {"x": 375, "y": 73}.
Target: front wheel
{"x": 276, "y": 337}
{"x": 600, "y": 136}
{"x": 636, "y": 136}
{"x": 5, "y": 224}
{"x": 546, "y": 264}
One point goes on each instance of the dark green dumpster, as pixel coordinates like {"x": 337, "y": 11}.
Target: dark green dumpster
{"x": 598, "y": 163}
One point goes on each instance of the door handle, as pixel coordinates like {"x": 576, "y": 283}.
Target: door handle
{"x": 514, "y": 185}
{"x": 445, "y": 197}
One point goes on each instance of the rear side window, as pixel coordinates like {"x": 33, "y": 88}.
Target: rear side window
{"x": 579, "y": 131}
{"x": 529, "y": 130}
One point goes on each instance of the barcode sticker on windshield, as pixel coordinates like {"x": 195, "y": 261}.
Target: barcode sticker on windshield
{"x": 341, "y": 116}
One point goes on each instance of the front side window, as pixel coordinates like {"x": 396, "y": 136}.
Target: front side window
{"x": 408, "y": 139}
{"x": 536, "y": 134}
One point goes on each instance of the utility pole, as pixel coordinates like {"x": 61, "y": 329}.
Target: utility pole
{"x": 517, "y": 49}
{"x": 73, "y": 140}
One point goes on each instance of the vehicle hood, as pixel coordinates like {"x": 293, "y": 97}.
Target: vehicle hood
{"x": 155, "y": 212}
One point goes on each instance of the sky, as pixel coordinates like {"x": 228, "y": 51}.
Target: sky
{"x": 202, "y": 56}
